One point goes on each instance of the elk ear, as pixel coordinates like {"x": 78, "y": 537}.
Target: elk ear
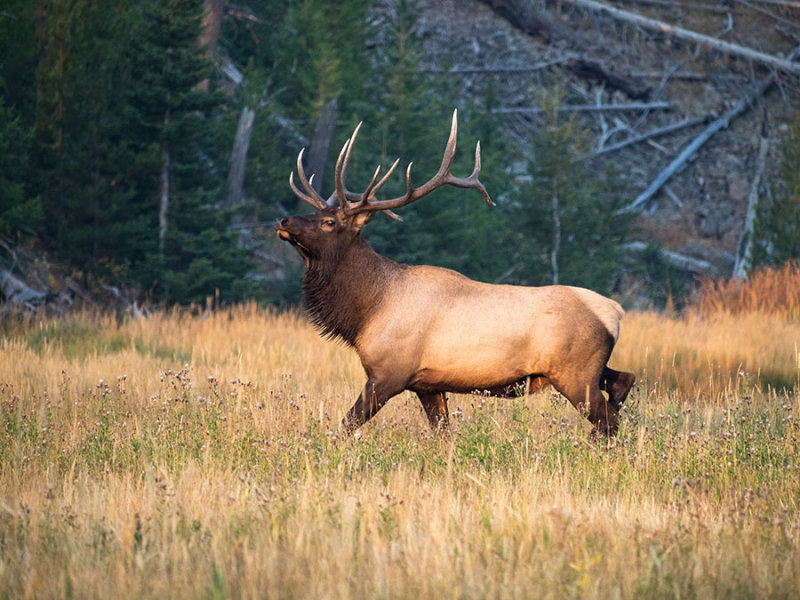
{"x": 361, "y": 219}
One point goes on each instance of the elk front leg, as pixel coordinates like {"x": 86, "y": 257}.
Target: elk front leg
{"x": 435, "y": 405}
{"x": 369, "y": 402}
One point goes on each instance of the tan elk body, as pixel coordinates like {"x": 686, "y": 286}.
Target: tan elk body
{"x": 432, "y": 330}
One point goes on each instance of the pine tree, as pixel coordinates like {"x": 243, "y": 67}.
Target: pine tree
{"x": 328, "y": 55}
{"x": 20, "y": 214}
{"x": 184, "y": 250}
{"x": 776, "y": 232}
{"x": 20, "y": 207}
{"x": 568, "y": 232}
{"x": 76, "y": 121}
{"x": 452, "y": 228}
{"x": 19, "y": 50}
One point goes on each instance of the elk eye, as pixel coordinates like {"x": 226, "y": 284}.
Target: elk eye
{"x": 329, "y": 223}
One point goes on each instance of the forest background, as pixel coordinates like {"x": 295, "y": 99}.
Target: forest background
{"x": 145, "y": 149}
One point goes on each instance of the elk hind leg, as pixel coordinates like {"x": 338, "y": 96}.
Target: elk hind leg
{"x": 618, "y": 384}
{"x": 587, "y": 398}
{"x": 435, "y": 405}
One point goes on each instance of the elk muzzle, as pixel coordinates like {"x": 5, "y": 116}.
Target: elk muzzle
{"x": 282, "y": 229}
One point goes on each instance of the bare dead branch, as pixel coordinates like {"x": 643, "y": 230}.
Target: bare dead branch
{"x": 768, "y": 13}
{"x": 714, "y": 8}
{"x": 591, "y": 69}
{"x": 671, "y": 128}
{"x": 694, "y": 146}
{"x": 677, "y": 260}
{"x": 498, "y": 69}
{"x": 746, "y": 238}
{"x": 699, "y": 38}
{"x": 587, "y": 108}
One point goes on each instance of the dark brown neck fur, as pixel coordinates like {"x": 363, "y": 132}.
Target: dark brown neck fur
{"x": 343, "y": 288}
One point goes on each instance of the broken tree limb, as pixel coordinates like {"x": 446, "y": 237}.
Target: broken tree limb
{"x": 693, "y": 147}
{"x": 746, "y": 239}
{"x": 673, "y": 127}
{"x": 495, "y": 69}
{"x": 531, "y": 18}
{"x": 779, "y": 3}
{"x": 701, "y": 139}
{"x": 683, "y": 5}
{"x": 591, "y": 69}
{"x": 588, "y": 108}
{"x": 783, "y": 64}
{"x": 676, "y": 260}
{"x": 16, "y": 291}
{"x": 768, "y": 13}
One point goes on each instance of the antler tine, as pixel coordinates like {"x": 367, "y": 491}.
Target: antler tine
{"x": 301, "y": 195}
{"x": 341, "y": 172}
{"x": 409, "y": 188}
{"x": 472, "y": 181}
{"x": 341, "y": 192}
{"x": 372, "y": 189}
{"x": 365, "y": 196}
{"x": 312, "y": 196}
{"x": 385, "y": 178}
{"x": 477, "y": 172}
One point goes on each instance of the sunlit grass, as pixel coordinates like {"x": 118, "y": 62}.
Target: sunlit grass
{"x": 181, "y": 456}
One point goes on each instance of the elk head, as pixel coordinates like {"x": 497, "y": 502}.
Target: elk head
{"x": 339, "y": 219}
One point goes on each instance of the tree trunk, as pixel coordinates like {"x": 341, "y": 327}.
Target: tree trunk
{"x": 238, "y": 162}
{"x": 163, "y": 204}
{"x": 556, "y": 238}
{"x": 318, "y": 154}
{"x": 746, "y": 239}
{"x": 213, "y": 12}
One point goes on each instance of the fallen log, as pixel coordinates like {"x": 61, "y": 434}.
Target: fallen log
{"x": 591, "y": 69}
{"x": 628, "y": 106}
{"x": 676, "y": 260}
{"x": 782, "y": 64}
{"x": 16, "y": 291}
{"x": 701, "y": 139}
{"x": 671, "y": 128}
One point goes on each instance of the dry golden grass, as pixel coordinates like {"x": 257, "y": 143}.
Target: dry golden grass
{"x": 774, "y": 291}
{"x": 200, "y": 458}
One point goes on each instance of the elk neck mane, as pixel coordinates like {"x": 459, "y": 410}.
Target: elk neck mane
{"x": 341, "y": 289}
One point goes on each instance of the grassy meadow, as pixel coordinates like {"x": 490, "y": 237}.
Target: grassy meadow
{"x": 184, "y": 456}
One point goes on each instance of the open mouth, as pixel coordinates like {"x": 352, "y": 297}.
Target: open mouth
{"x": 283, "y": 234}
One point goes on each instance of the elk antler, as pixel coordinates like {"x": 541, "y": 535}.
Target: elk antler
{"x": 353, "y": 203}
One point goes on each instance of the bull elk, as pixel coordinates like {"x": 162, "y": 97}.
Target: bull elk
{"x": 431, "y": 330}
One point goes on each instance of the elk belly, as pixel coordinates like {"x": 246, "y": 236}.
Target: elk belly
{"x": 476, "y": 359}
